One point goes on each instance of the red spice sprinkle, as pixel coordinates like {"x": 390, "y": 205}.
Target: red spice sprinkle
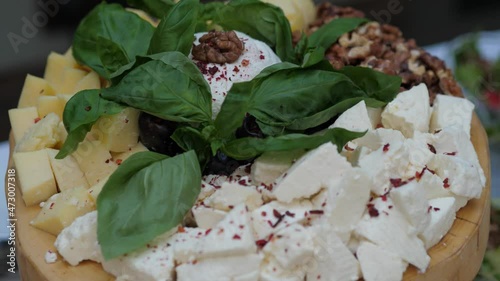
{"x": 372, "y": 211}
{"x": 276, "y": 213}
{"x": 384, "y": 197}
{"x": 290, "y": 214}
{"x": 248, "y": 169}
{"x": 208, "y": 231}
{"x": 213, "y": 70}
{"x": 88, "y": 108}
{"x": 263, "y": 213}
{"x": 236, "y": 237}
{"x": 386, "y": 147}
{"x": 437, "y": 131}
{"x": 241, "y": 226}
{"x": 181, "y": 229}
{"x": 262, "y": 57}
{"x": 107, "y": 161}
{"x": 429, "y": 209}
{"x": 445, "y": 183}
{"x": 245, "y": 62}
{"x": 451, "y": 153}
{"x": 379, "y": 126}
{"x": 390, "y": 207}
{"x": 346, "y": 147}
{"x": 316, "y": 212}
{"x": 261, "y": 243}
{"x": 51, "y": 205}
{"x": 37, "y": 120}
{"x": 431, "y": 148}
{"x": 236, "y": 69}
{"x": 436, "y": 209}
{"x": 397, "y": 182}
{"x": 386, "y": 213}
{"x": 242, "y": 182}
{"x": 119, "y": 161}
{"x": 278, "y": 221}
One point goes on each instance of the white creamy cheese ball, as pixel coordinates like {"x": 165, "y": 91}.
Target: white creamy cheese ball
{"x": 255, "y": 57}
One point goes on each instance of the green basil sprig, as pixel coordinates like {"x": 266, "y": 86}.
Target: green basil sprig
{"x": 114, "y": 23}
{"x": 80, "y": 114}
{"x": 176, "y": 30}
{"x": 146, "y": 196}
{"x": 170, "y": 87}
{"x": 248, "y": 148}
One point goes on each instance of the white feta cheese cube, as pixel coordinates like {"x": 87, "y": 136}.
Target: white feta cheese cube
{"x": 460, "y": 176}
{"x": 346, "y": 202}
{"x": 274, "y": 216}
{"x": 232, "y": 194}
{"x": 378, "y": 264}
{"x": 418, "y": 152}
{"x": 291, "y": 246}
{"x": 451, "y": 111}
{"x": 375, "y": 115}
{"x": 377, "y": 138}
{"x": 411, "y": 200}
{"x": 332, "y": 260}
{"x": 354, "y": 119}
{"x": 385, "y": 226}
{"x": 311, "y": 172}
{"x": 206, "y": 190}
{"x": 236, "y": 268}
{"x": 409, "y": 111}
{"x": 186, "y": 243}
{"x": 78, "y": 242}
{"x": 434, "y": 188}
{"x": 232, "y": 236}
{"x": 43, "y": 134}
{"x": 357, "y": 154}
{"x": 388, "y": 162}
{"x": 442, "y": 213}
{"x": 154, "y": 262}
{"x": 207, "y": 217}
{"x": 271, "y": 270}
{"x": 271, "y": 165}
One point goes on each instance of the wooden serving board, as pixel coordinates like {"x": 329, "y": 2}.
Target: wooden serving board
{"x": 457, "y": 257}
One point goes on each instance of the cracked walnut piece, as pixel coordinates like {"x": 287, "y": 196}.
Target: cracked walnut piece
{"x": 218, "y": 47}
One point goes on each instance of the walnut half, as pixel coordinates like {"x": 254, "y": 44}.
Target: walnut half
{"x": 218, "y": 47}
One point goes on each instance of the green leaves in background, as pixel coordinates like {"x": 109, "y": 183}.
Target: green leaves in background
{"x": 176, "y": 30}
{"x": 189, "y": 138}
{"x": 145, "y": 197}
{"x": 170, "y": 87}
{"x": 248, "y": 148}
{"x": 80, "y": 114}
{"x": 156, "y": 8}
{"x": 112, "y": 22}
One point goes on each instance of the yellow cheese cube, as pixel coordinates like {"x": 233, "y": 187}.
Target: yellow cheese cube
{"x": 35, "y": 176}
{"x": 49, "y": 104}
{"x": 118, "y": 132}
{"x": 62, "y": 133}
{"x": 21, "y": 119}
{"x": 33, "y": 88}
{"x": 54, "y": 70}
{"x": 62, "y": 209}
{"x": 95, "y": 190}
{"x": 71, "y": 77}
{"x": 66, "y": 171}
{"x": 69, "y": 54}
{"x": 95, "y": 161}
{"x": 41, "y": 135}
{"x": 122, "y": 156}
{"x": 90, "y": 81}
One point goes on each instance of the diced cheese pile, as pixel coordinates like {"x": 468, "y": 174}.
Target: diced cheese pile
{"x": 69, "y": 186}
{"x": 367, "y": 212}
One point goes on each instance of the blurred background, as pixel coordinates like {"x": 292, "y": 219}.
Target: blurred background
{"x": 433, "y": 23}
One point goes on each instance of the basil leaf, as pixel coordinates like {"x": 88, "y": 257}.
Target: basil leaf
{"x": 145, "y": 197}
{"x": 248, "y": 148}
{"x": 176, "y": 30}
{"x": 170, "y": 87}
{"x": 111, "y": 54}
{"x": 80, "y": 114}
{"x": 189, "y": 138}
{"x": 207, "y": 14}
{"x": 157, "y": 8}
{"x": 260, "y": 21}
{"x": 329, "y": 33}
{"x": 112, "y": 22}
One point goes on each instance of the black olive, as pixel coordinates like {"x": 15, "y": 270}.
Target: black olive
{"x": 221, "y": 164}
{"x": 250, "y": 128}
{"x": 155, "y": 134}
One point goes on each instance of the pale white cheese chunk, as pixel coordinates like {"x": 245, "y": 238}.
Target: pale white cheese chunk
{"x": 50, "y": 257}
{"x": 271, "y": 165}
{"x": 186, "y": 243}
{"x": 207, "y": 217}
{"x": 232, "y": 194}
{"x": 232, "y": 236}
{"x": 332, "y": 259}
{"x": 43, "y": 134}
{"x": 442, "y": 214}
{"x": 377, "y": 138}
{"x": 271, "y": 270}
{"x": 78, "y": 242}
{"x": 354, "y": 119}
{"x": 386, "y": 227}
{"x": 311, "y": 172}
{"x": 378, "y": 264}
{"x": 275, "y": 216}
{"x": 155, "y": 262}
{"x": 411, "y": 200}
{"x": 291, "y": 246}
{"x": 375, "y": 115}
{"x": 419, "y": 153}
{"x": 236, "y": 268}
{"x": 409, "y": 111}
{"x": 434, "y": 188}
{"x": 459, "y": 175}
{"x": 451, "y": 111}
